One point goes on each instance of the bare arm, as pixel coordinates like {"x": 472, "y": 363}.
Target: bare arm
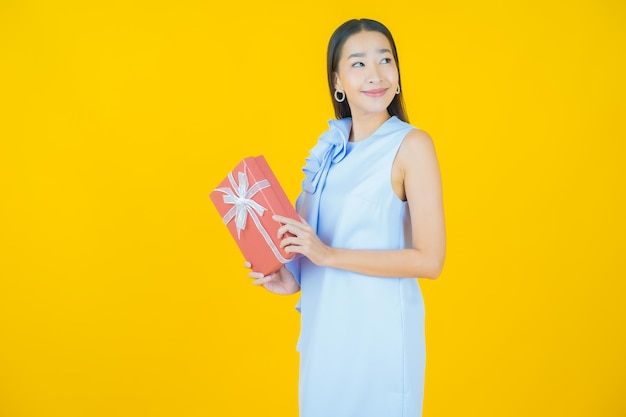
{"x": 416, "y": 175}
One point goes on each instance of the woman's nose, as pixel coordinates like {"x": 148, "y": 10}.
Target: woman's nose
{"x": 374, "y": 75}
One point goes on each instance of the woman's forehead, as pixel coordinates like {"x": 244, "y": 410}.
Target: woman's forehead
{"x": 365, "y": 42}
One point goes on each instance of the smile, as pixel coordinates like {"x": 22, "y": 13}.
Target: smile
{"x": 377, "y": 92}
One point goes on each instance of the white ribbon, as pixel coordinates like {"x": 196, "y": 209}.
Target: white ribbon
{"x": 241, "y": 198}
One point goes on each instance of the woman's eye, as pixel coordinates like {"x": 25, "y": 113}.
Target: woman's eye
{"x": 386, "y": 60}
{"x": 357, "y": 64}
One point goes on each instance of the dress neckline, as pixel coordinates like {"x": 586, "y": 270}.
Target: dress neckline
{"x": 374, "y": 133}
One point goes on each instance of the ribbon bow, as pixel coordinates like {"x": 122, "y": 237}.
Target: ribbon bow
{"x": 330, "y": 148}
{"x": 241, "y": 198}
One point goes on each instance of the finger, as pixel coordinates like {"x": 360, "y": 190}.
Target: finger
{"x": 297, "y": 229}
{"x": 294, "y": 249}
{"x": 285, "y": 220}
{"x": 263, "y": 280}
{"x": 289, "y": 241}
{"x": 286, "y": 229}
{"x": 255, "y": 275}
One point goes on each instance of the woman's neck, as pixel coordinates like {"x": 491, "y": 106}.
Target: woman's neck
{"x": 364, "y": 126}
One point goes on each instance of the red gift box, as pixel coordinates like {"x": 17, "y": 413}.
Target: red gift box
{"x": 247, "y": 199}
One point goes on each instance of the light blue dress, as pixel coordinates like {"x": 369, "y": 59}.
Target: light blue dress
{"x": 361, "y": 344}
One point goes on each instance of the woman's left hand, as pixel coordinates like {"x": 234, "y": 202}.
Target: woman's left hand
{"x": 304, "y": 240}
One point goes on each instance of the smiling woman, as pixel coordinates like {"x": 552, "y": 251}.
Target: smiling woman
{"x": 368, "y": 75}
{"x": 341, "y": 40}
{"x": 372, "y": 221}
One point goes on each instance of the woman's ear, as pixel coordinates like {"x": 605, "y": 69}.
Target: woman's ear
{"x": 337, "y": 83}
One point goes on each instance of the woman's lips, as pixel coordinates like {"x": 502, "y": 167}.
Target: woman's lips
{"x": 376, "y": 92}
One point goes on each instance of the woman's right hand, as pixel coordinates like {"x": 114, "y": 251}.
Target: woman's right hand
{"x": 280, "y": 282}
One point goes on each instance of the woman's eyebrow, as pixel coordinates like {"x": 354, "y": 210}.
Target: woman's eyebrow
{"x": 362, "y": 54}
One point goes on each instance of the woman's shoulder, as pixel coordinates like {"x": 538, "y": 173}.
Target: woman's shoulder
{"x": 416, "y": 144}
{"x": 415, "y": 137}
{"x": 418, "y": 135}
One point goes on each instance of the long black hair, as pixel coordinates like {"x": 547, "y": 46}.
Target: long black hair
{"x": 335, "y": 45}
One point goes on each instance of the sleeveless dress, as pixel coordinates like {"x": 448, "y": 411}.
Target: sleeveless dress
{"x": 361, "y": 344}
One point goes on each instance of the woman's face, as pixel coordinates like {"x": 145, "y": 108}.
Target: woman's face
{"x": 367, "y": 73}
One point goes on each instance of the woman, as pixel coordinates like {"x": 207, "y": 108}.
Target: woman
{"x": 372, "y": 222}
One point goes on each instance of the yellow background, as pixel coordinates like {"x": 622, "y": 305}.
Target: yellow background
{"x": 121, "y": 293}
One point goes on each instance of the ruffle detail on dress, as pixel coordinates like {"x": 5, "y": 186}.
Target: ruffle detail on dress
{"x": 330, "y": 148}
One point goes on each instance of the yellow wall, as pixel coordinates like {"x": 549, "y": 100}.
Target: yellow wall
{"x": 121, "y": 293}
